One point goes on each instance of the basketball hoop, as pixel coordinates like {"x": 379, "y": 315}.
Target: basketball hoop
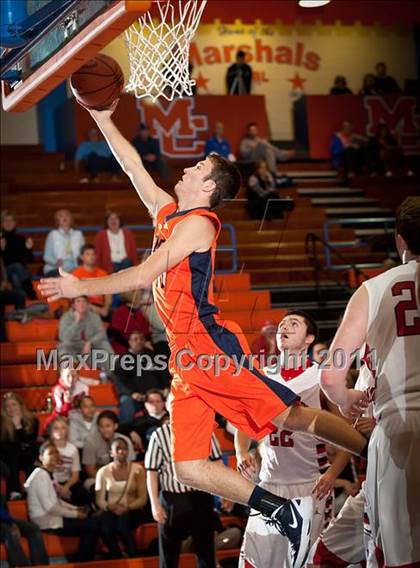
{"x": 158, "y": 52}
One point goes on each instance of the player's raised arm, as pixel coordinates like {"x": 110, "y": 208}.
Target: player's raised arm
{"x": 152, "y": 196}
{"x": 195, "y": 234}
{"x": 347, "y": 341}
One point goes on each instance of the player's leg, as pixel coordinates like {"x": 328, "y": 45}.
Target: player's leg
{"x": 342, "y": 543}
{"x": 192, "y": 422}
{"x": 322, "y": 424}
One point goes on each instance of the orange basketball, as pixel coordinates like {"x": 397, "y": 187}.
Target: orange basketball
{"x": 98, "y": 82}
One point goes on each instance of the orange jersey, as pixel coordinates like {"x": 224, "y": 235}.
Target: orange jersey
{"x": 184, "y": 294}
{"x": 81, "y": 272}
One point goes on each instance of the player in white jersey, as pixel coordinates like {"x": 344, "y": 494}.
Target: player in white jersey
{"x": 384, "y": 313}
{"x": 347, "y": 540}
{"x": 294, "y": 465}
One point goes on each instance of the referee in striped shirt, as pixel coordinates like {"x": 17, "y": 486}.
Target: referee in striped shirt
{"x": 178, "y": 509}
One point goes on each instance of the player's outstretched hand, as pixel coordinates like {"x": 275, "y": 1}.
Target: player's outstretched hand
{"x": 65, "y": 286}
{"x": 246, "y": 465}
{"x": 356, "y": 403}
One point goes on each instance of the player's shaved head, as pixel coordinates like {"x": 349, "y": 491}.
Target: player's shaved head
{"x": 408, "y": 223}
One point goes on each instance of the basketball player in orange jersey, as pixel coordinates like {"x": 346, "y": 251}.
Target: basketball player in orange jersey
{"x": 181, "y": 269}
{"x": 384, "y": 313}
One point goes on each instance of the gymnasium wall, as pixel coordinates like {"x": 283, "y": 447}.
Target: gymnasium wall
{"x": 19, "y": 128}
{"x": 291, "y": 60}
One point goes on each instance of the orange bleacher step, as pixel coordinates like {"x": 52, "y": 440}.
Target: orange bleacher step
{"x": 252, "y": 321}
{"x": 238, "y": 300}
{"x": 240, "y": 281}
{"x": 24, "y": 352}
{"x": 34, "y": 330}
{"x": 145, "y": 535}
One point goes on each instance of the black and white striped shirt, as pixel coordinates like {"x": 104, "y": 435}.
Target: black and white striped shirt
{"x": 158, "y": 458}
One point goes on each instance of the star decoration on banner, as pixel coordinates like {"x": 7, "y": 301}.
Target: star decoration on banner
{"x": 201, "y": 81}
{"x": 297, "y": 81}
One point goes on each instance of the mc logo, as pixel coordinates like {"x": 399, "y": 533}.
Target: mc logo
{"x": 400, "y": 118}
{"x": 176, "y": 126}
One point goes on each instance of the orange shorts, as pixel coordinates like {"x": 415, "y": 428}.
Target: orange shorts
{"x": 201, "y": 387}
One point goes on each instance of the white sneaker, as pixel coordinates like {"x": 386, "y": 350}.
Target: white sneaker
{"x": 15, "y": 496}
{"x": 294, "y": 520}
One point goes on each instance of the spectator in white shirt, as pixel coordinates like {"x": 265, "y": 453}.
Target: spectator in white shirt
{"x": 83, "y": 421}
{"x": 52, "y": 514}
{"x": 62, "y": 247}
{"x": 67, "y": 472}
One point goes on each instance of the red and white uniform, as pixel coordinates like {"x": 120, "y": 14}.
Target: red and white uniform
{"x": 291, "y": 464}
{"x": 347, "y": 540}
{"x": 393, "y": 473}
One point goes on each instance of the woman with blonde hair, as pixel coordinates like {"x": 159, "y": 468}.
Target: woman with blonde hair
{"x": 63, "y": 244}
{"x": 18, "y": 436}
{"x": 121, "y": 494}
{"x": 67, "y": 473}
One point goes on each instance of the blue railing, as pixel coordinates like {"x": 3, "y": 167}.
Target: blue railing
{"x": 232, "y": 247}
{"x": 387, "y": 223}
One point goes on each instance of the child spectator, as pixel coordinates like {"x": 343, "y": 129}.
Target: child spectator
{"x": 340, "y": 86}
{"x": 121, "y": 494}
{"x": 125, "y": 319}
{"x": 97, "y": 448}
{"x": 71, "y": 387}
{"x": 16, "y": 251}
{"x": 67, "y": 472}
{"x": 52, "y": 514}
{"x": 369, "y": 85}
{"x": 100, "y": 305}
{"x": 19, "y": 433}
{"x": 80, "y": 331}
{"x": 115, "y": 246}
{"x": 132, "y": 383}
{"x": 62, "y": 247}
{"x": 348, "y": 150}
{"x": 83, "y": 421}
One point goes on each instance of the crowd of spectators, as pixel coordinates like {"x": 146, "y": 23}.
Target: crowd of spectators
{"x": 378, "y": 83}
{"x": 356, "y": 154}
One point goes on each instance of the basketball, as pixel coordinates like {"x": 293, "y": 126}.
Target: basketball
{"x": 98, "y": 82}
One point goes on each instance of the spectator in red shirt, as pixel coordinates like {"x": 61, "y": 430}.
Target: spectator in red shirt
{"x": 101, "y": 305}
{"x": 115, "y": 246}
{"x": 265, "y": 344}
{"x": 126, "y": 319}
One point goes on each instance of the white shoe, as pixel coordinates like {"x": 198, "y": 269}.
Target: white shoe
{"x": 294, "y": 520}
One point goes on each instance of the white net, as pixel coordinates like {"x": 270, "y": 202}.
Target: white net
{"x": 158, "y": 51}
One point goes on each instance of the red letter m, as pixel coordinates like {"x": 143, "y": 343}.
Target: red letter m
{"x": 400, "y": 118}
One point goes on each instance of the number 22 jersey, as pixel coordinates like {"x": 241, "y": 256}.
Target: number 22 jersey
{"x": 295, "y": 458}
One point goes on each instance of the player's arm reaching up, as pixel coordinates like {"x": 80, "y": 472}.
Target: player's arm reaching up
{"x": 347, "y": 341}
{"x": 127, "y": 156}
{"x": 194, "y": 234}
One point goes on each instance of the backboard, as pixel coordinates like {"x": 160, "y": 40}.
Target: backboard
{"x": 47, "y": 40}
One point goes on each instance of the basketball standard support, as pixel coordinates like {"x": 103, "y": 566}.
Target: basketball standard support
{"x": 83, "y": 46}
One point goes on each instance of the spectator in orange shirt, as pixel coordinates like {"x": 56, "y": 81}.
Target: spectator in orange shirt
{"x": 101, "y": 305}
